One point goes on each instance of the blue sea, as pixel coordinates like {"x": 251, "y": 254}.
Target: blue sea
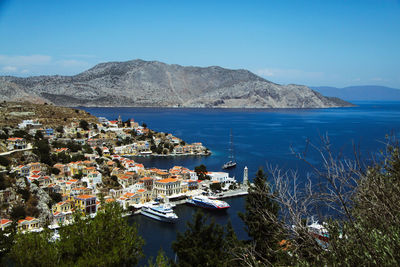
{"x": 261, "y": 137}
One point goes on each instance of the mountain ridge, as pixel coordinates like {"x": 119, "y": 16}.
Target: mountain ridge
{"x": 156, "y": 84}
{"x": 361, "y": 92}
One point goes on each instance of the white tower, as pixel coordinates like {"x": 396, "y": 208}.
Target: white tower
{"x": 245, "y": 176}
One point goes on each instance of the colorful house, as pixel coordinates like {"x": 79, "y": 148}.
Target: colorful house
{"x": 16, "y": 143}
{"x": 29, "y": 224}
{"x": 86, "y": 203}
{"x": 167, "y": 187}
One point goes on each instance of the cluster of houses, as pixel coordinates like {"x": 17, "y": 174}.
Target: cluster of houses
{"x": 80, "y": 183}
{"x": 107, "y": 134}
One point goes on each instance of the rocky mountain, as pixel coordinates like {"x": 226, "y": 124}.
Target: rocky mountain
{"x": 156, "y": 84}
{"x": 361, "y": 93}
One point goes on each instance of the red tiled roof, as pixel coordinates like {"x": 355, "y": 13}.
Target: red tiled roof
{"x": 167, "y": 180}
{"x": 4, "y": 221}
{"x": 85, "y": 196}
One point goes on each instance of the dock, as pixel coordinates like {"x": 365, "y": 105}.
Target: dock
{"x": 233, "y": 193}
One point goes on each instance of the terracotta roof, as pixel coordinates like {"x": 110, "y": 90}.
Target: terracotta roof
{"x": 85, "y": 196}
{"x": 167, "y": 180}
{"x": 14, "y": 138}
{"x": 79, "y": 188}
{"x": 4, "y": 221}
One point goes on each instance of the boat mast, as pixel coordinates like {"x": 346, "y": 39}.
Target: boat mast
{"x": 231, "y": 151}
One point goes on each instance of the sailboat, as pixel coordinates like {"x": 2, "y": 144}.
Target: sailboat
{"x": 231, "y": 163}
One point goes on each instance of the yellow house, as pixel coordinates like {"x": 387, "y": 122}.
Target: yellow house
{"x": 63, "y": 206}
{"x": 5, "y": 223}
{"x": 28, "y": 224}
{"x": 184, "y": 187}
{"x": 73, "y": 168}
{"x": 86, "y": 203}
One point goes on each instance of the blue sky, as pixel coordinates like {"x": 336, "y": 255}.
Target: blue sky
{"x": 336, "y": 43}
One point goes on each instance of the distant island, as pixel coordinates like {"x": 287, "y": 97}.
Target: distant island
{"x": 361, "y": 93}
{"x": 139, "y": 83}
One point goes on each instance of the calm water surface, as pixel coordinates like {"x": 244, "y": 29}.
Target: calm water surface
{"x": 261, "y": 137}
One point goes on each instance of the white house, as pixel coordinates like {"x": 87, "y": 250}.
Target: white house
{"x": 221, "y": 177}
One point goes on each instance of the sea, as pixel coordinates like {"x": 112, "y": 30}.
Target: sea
{"x": 262, "y": 138}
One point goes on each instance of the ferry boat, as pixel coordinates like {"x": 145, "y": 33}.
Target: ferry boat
{"x": 207, "y": 203}
{"x": 319, "y": 232}
{"x": 160, "y": 212}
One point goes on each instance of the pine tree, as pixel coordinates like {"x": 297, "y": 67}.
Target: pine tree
{"x": 202, "y": 244}
{"x": 261, "y": 219}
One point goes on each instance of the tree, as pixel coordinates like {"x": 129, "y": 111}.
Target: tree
{"x": 6, "y": 242}
{"x": 55, "y": 171}
{"x": 55, "y": 197}
{"x": 161, "y": 260}
{"x": 20, "y": 134}
{"x": 371, "y": 229}
{"x": 79, "y": 175}
{"x": 60, "y": 129}
{"x": 99, "y": 151}
{"x": 261, "y": 219}
{"x": 4, "y": 161}
{"x": 201, "y": 172}
{"x": 73, "y": 146}
{"x": 202, "y": 244}
{"x": 42, "y": 149}
{"x": 38, "y": 135}
{"x": 34, "y": 249}
{"x": 18, "y": 212}
{"x": 107, "y": 240}
{"x": 215, "y": 186}
{"x": 87, "y": 149}
{"x": 4, "y": 182}
{"x": 84, "y": 125}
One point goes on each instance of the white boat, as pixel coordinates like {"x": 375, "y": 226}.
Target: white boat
{"x": 207, "y": 203}
{"x": 231, "y": 163}
{"x": 318, "y": 231}
{"x": 160, "y": 212}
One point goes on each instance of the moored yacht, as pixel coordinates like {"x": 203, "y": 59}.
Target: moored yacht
{"x": 160, "y": 212}
{"x": 207, "y": 203}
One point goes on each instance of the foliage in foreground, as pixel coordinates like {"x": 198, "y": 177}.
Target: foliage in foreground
{"x": 106, "y": 240}
{"x": 366, "y": 231}
{"x": 204, "y": 243}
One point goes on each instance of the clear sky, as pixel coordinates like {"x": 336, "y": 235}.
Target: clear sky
{"x": 324, "y": 42}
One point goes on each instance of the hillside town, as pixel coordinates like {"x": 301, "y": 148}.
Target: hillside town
{"x": 47, "y": 174}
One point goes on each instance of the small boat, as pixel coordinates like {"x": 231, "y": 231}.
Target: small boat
{"x": 231, "y": 163}
{"x": 318, "y": 231}
{"x": 207, "y": 203}
{"x": 160, "y": 212}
